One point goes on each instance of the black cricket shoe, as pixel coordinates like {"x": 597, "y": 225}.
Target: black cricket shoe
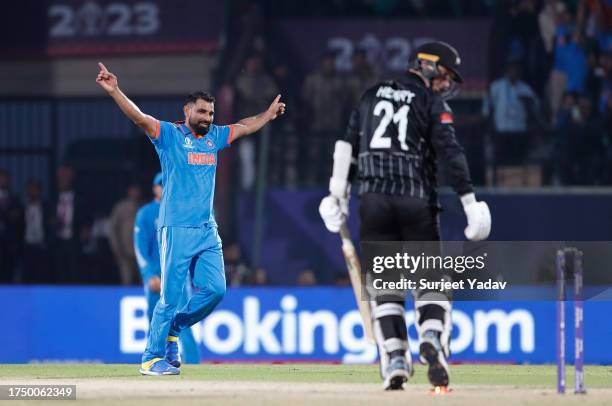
{"x": 431, "y": 353}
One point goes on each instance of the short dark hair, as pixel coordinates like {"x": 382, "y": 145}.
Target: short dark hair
{"x": 200, "y": 94}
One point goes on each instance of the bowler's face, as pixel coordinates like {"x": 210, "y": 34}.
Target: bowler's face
{"x": 200, "y": 116}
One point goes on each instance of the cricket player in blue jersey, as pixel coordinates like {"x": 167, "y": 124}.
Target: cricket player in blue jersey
{"x": 147, "y": 256}
{"x": 188, "y": 238}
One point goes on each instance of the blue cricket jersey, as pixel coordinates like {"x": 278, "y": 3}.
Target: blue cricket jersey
{"x": 145, "y": 240}
{"x": 188, "y": 167}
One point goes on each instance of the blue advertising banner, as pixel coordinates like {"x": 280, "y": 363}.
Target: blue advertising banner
{"x": 108, "y": 324}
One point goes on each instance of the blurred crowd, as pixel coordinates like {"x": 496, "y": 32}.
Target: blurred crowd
{"x": 545, "y": 118}
{"x": 550, "y": 98}
{"x": 319, "y": 106}
{"x": 382, "y": 8}
{"x": 60, "y": 241}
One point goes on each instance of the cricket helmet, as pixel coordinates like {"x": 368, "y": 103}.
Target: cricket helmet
{"x": 428, "y": 56}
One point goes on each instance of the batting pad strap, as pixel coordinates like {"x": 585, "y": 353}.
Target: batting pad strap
{"x": 432, "y": 324}
{"x": 436, "y": 299}
{"x": 388, "y": 309}
{"x": 395, "y": 344}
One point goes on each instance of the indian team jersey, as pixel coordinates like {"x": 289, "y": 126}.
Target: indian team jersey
{"x": 188, "y": 172}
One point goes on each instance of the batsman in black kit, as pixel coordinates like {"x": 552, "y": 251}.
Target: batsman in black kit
{"x": 395, "y": 137}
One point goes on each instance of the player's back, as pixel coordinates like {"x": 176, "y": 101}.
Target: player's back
{"x": 393, "y": 130}
{"x": 145, "y": 235}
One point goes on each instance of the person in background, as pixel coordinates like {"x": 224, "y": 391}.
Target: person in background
{"x": 11, "y": 229}
{"x": 510, "y": 102}
{"x": 68, "y": 224}
{"x": 324, "y": 95}
{"x": 306, "y": 278}
{"x": 146, "y": 249}
{"x": 513, "y": 109}
{"x": 121, "y": 228}
{"x": 254, "y": 88}
{"x": 260, "y": 277}
{"x": 35, "y": 251}
{"x": 361, "y": 76}
{"x": 237, "y": 273}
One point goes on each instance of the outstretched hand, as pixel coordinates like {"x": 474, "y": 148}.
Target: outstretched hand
{"x": 106, "y": 79}
{"x": 277, "y": 108}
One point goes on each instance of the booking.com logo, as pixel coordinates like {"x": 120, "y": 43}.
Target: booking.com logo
{"x": 289, "y": 331}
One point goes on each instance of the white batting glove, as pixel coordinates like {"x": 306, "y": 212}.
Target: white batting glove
{"x": 478, "y": 218}
{"x": 334, "y": 212}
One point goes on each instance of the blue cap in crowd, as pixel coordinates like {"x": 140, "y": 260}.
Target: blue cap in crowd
{"x": 157, "y": 180}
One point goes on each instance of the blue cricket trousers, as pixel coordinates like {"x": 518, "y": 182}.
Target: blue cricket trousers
{"x": 196, "y": 250}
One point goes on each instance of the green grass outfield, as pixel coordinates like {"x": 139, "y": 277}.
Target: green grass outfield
{"x": 478, "y": 374}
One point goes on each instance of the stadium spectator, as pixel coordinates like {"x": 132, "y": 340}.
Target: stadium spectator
{"x": 604, "y": 75}
{"x": 511, "y": 102}
{"x": 513, "y": 110}
{"x": 547, "y": 20}
{"x": 324, "y": 96}
{"x": 11, "y": 229}
{"x": 121, "y": 237}
{"x": 260, "y": 277}
{"x": 237, "y": 273}
{"x": 360, "y": 77}
{"x": 36, "y": 236}
{"x": 526, "y": 44}
{"x": 306, "y": 278}
{"x": 581, "y": 142}
{"x": 254, "y": 88}
{"x": 342, "y": 279}
{"x": 570, "y": 66}
{"x": 289, "y": 86}
{"x": 67, "y": 224}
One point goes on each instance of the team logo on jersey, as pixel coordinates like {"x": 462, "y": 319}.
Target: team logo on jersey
{"x": 201, "y": 158}
{"x": 210, "y": 144}
{"x": 188, "y": 143}
{"x": 446, "y": 118}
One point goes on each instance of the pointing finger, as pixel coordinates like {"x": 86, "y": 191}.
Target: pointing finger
{"x": 277, "y": 98}
{"x": 102, "y": 67}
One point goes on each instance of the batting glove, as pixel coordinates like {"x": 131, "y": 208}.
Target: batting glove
{"x": 334, "y": 212}
{"x": 478, "y": 218}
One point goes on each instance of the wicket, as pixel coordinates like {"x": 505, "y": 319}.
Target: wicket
{"x": 572, "y": 257}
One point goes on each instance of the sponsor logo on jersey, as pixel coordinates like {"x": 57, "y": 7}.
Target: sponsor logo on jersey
{"x": 201, "y": 158}
{"x": 446, "y": 118}
{"x": 188, "y": 143}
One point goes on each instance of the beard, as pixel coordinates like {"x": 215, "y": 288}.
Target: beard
{"x": 200, "y": 128}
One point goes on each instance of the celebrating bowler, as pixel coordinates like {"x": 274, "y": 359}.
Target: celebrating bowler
{"x": 188, "y": 238}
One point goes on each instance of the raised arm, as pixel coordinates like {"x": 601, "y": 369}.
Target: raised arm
{"x": 252, "y": 124}
{"x": 108, "y": 81}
